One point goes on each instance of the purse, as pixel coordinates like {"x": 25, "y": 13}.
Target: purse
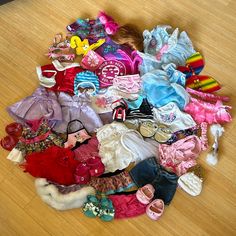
{"x": 92, "y": 60}
{"x": 190, "y": 183}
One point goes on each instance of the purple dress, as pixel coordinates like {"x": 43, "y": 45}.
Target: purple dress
{"x": 41, "y": 103}
{"x": 77, "y": 107}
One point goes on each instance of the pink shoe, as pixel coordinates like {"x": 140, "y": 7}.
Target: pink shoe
{"x": 145, "y": 194}
{"x": 155, "y": 209}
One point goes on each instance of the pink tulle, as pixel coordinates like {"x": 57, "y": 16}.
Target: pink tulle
{"x": 127, "y": 206}
{"x": 202, "y": 111}
{"x": 55, "y": 164}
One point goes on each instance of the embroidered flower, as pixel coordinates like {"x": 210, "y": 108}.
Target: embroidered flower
{"x": 168, "y": 118}
{"x": 101, "y": 102}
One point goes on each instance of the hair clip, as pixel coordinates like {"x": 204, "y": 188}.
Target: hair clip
{"x": 60, "y": 49}
{"x": 110, "y": 25}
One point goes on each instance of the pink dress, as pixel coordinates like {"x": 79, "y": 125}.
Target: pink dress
{"x": 86, "y": 151}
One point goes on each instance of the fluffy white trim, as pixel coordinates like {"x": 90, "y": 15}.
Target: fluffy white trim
{"x": 212, "y": 159}
{"x": 217, "y": 127}
{"x": 216, "y": 130}
{"x": 50, "y": 194}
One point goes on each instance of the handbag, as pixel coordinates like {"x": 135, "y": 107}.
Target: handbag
{"x": 190, "y": 183}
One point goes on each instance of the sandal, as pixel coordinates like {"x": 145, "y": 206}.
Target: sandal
{"x": 91, "y": 207}
{"x": 161, "y": 133}
{"x": 155, "y": 209}
{"x": 145, "y": 194}
{"x": 60, "y": 49}
{"x": 107, "y": 211}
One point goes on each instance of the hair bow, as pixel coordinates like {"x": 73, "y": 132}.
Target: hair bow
{"x": 194, "y": 66}
{"x": 111, "y": 27}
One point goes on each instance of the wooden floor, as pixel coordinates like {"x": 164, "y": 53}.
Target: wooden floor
{"x": 26, "y": 30}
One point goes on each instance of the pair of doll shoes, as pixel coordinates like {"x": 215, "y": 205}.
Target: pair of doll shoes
{"x": 14, "y": 131}
{"x": 161, "y": 133}
{"x": 155, "y": 208}
{"x": 103, "y": 209}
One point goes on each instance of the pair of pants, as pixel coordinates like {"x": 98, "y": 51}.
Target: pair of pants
{"x": 150, "y": 172}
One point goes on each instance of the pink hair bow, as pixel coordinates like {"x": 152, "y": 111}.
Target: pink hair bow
{"x": 110, "y": 25}
{"x": 162, "y": 51}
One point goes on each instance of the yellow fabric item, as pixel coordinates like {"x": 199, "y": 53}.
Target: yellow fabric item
{"x": 83, "y": 47}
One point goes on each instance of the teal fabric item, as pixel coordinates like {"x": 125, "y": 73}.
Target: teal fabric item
{"x": 160, "y": 92}
{"x": 135, "y": 104}
{"x": 86, "y": 77}
{"x": 178, "y": 48}
{"x": 91, "y": 207}
{"x": 174, "y": 75}
{"x": 107, "y": 211}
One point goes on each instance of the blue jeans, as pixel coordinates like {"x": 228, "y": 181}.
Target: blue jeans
{"x": 150, "y": 172}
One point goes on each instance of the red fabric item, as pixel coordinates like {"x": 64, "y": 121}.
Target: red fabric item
{"x": 127, "y": 206}
{"x": 64, "y": 78}
{"x": 86, "y": 151}
{"x": 92, "y": 167}
{"x": 55, "y": 164}
{"x": 9, "y": 142}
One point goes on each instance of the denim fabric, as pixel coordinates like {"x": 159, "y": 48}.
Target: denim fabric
{"x": 150, "y": 172}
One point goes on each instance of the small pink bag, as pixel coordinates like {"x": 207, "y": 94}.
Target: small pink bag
{"x": 91, "y": 61}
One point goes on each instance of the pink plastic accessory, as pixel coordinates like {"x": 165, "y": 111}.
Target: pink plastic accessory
{"x": 145, "y": 194}
{"x": 155, "y": 209}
